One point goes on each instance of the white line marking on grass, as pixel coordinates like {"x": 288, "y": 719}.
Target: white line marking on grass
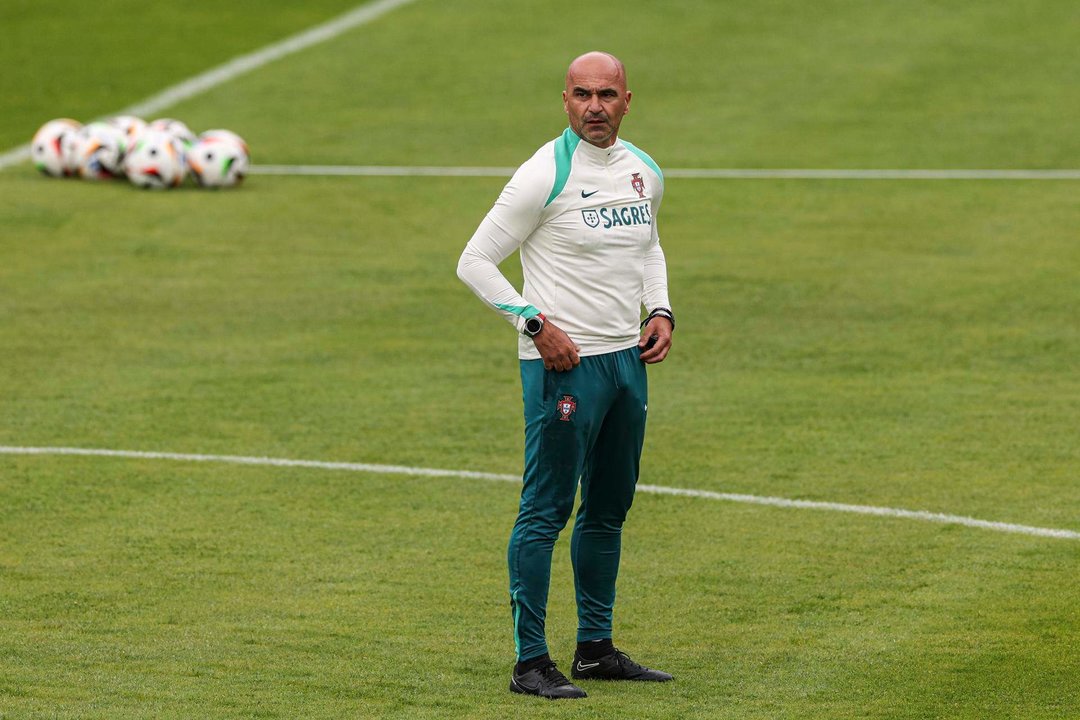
{"x": 867, "y": 510}
{"x": 652, "y": 489}
{"x": 380, "y": 170}
{"x": 840, "y": 174}
{"x": 691, "y": 173}
{"x": 244, "y": 460}
{"x": 240, "y": 65}
{"x": 15, "y": 155}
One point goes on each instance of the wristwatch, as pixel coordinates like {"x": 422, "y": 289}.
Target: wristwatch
{"x": 534, "y": 325}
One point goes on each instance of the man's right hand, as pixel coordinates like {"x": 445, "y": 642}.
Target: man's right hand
{"x": 556, "y": 348}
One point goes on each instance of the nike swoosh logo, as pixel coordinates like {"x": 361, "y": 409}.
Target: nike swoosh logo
{"x": 585, "y": 194}
{"x": 582, "y": 666}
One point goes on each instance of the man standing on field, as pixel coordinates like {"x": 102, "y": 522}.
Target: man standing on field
{"x": 582, "y": 213}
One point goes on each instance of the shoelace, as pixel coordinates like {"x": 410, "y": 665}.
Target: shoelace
{"x": 551, "y": 674}
{"x": 625, "y": 661}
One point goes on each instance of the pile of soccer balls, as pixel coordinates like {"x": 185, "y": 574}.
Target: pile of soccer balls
{"x": 156, "y": 155}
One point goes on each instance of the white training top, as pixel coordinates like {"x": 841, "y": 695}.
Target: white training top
{"x": 584, "y": 219}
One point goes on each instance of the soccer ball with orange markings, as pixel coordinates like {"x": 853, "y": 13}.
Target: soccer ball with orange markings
{"x": 130, "y": 125}
{"x": 219, "y": 159}
{"x": 156, "y": 161}
{"x": 98, "y": 151}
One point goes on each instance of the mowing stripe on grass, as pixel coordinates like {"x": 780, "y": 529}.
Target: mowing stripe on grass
{"x": 472, "y": 475}
{"x": 698, "y": 173}
{"x": 240, "y": 65}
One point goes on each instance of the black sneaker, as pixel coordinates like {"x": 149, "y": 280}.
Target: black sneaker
{"x": 545, "y": 681}
{"x": 616, "y": 666}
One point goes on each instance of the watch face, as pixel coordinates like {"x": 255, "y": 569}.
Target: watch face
{"x": 533, "y": 326}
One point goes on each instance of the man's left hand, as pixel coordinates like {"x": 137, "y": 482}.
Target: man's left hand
{"x": 660, "y": 328}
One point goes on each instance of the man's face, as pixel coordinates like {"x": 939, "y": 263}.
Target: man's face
{"x": 596, "y": 99}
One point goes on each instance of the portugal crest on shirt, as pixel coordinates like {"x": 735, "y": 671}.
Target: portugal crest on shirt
{"x": 566, "y": 407}
{"x": 638, "y": 184}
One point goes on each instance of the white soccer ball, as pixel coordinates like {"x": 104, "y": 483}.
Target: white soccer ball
{"x": 130, "y": 125}
{"x": 177, "y": 128}
{"x": 156, "y": 161}
{"x": 219, "y": 159}
{"x": 222, "y": 134}
{"x": 47, "y": 147}
{"x": 69, "y": 152}
{"x": 98, "y": 150}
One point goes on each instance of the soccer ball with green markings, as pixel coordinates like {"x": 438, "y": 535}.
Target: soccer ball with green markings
{"x": 156, "y": 161}
{"x": 47, "y": 147}
{"x": 219, "y": 159}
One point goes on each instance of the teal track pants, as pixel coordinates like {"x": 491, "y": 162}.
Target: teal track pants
{"x": 589, "y": 424}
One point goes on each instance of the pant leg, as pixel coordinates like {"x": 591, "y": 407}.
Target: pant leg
{"x": 563, "y": 411}
{"x": 608, "y": 481}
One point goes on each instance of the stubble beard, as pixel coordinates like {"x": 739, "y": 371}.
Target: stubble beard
{"x": 597, "y": 134}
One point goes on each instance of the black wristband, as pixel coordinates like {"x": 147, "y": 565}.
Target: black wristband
{"x": 661, "y": 312}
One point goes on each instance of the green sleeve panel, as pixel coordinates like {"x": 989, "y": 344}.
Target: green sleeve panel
{"x": 645, "y": 159}
{"x": 527, "y": 311}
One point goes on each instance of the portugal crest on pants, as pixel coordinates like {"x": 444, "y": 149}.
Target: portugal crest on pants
{"x": 566, "y": 407}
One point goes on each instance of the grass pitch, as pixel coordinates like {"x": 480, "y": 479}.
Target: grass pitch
{"x": 904, "y": 344}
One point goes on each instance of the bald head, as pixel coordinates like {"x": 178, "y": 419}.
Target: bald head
{"x": 596, "y": 98}
{"x": 596, "y": 62}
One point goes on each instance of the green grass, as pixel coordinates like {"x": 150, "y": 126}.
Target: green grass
{"x": 180, "y": 591}
{"x": 87, "y": 60}
{"x": 903, "y": 344}
{"x": 764, "y": 84}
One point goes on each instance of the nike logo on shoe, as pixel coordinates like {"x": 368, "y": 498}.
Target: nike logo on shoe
{"x": 616, "y": 666}
{"x": 585, "y": 194}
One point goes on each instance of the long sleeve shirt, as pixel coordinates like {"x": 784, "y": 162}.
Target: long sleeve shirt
{"x": 584, "y": 221}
